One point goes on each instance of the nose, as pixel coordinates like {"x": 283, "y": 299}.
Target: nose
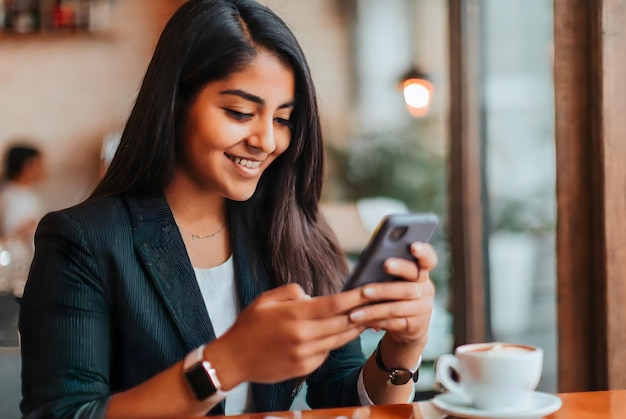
{"x": 262, "y": 137}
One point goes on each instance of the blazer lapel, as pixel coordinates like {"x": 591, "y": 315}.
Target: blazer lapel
{"x": 160, "y": 246}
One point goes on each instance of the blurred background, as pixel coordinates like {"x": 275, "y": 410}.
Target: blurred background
{"x": 70, "y": 70}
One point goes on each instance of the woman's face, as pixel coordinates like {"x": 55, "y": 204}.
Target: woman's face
{"x": 237, "y": 127}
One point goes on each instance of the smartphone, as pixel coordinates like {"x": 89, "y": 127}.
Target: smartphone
{"x": 392, "y": 237}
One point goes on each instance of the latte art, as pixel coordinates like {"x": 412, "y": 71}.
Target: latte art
{"x": 503, "y": 349}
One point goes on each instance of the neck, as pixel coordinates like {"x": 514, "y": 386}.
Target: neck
{"x": 197, "y": 211}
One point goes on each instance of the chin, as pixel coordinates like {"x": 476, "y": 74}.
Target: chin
{"x": 241, "y": 196}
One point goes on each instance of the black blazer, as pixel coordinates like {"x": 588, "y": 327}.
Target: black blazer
{"x": 112, "y": 299}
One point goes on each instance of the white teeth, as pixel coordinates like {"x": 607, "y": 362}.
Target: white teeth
{"x": 247, "y": 163}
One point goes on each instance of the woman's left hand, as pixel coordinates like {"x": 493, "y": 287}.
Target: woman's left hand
{"x": 402, "y": 308}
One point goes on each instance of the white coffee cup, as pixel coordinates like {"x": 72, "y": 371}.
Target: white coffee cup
{"x": 492, "y": 376}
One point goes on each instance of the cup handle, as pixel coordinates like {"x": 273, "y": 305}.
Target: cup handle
{"x": 444, "y": 364}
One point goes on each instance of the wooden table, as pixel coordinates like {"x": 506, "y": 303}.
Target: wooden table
{"x": 587, "y": 405}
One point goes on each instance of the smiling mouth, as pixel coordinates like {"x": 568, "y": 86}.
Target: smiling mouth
{"x": 250, "y": 164}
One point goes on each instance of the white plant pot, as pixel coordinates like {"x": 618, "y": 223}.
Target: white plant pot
{"x": 440, "y": 338}
{"x": 512, "y": 267}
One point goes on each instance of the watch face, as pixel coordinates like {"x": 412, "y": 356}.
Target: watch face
{"x": 400, "y": 376}
{"x": 200, "y": 382}
{"x": 397, "y": 376}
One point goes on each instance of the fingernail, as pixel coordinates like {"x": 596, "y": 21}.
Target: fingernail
{"x": 357, "y": 315}
{"x": 369, "y": 292}
{"x": 417, "y": 247}
{"x": 304, "y": 295}
{"x": 392, "y": 266}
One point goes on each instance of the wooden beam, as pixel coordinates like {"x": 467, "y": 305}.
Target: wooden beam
{"x": 465, "y": 175}
{"x": 611, "y": 39}
{"x": 573, "y": 185}
{"x": 590, "y": 95}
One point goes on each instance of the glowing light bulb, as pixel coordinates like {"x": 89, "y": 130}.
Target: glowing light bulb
{"x": 417, "y": 96}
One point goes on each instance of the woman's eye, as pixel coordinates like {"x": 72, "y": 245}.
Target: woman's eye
{"x": 284, "y": 122}
{"x": 238, "y": 115}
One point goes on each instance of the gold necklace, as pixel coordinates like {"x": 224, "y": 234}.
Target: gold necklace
{"x": 195, "y": 236}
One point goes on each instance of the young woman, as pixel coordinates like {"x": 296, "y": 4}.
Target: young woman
{"x": 199, "y": 276}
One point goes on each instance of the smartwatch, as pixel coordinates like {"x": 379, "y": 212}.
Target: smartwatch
{"x": 201, "y": 377}
{"x": 397, "y": 376}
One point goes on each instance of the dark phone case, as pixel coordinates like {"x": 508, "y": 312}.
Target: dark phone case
{"x": 369, "y": 266}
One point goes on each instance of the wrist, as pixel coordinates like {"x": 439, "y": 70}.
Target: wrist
{"x": 402, "y": 355}
{"x": 396, "y": 375}
{"x": 227, "y": 369}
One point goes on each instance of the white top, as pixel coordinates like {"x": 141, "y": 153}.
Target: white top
{"x": 218, "y": 289}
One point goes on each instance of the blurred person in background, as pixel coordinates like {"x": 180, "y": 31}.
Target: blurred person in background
{"x": 20, "y": 211}
{"x": 20, "y": 206}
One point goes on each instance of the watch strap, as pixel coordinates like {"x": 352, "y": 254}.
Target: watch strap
{"x": 397, "y": 376}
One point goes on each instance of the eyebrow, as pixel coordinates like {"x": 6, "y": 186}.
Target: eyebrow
{"x": 254, "y": 98}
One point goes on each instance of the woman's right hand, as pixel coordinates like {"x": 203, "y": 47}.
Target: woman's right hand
{"x": 283, "y": 334}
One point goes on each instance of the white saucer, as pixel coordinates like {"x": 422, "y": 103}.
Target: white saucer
{"x": 542, "y": 404}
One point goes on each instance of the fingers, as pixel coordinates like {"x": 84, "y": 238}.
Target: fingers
{"x": 390, "y": 311}
{"x": 328, "y": 341}
{"x": 411, "y": 270}
{"x": 425, "y": 255}
{"x": 302, "y": 306}
{"x": 317, "y": 329}
{"x": 402, "y": 308}
{"x": 308, "y": 318}
{"x": 300, "y": 359}
{"x": 398, "y": 290}
{"x": 330, "y": 305}
{"x": 402, "y": 328}
{"x": 283, "y": 293}
{"x": 287, "y": 344}
{"x": 338, "y": 340}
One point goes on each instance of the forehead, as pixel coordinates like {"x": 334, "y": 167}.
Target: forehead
{"x": 265, "y": 76}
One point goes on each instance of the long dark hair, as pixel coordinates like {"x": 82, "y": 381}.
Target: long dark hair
{"x": 204, "y": 41}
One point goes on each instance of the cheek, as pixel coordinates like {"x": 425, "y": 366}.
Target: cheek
{"x": 210, "y": 140}
{"x": 210, "y": 129}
